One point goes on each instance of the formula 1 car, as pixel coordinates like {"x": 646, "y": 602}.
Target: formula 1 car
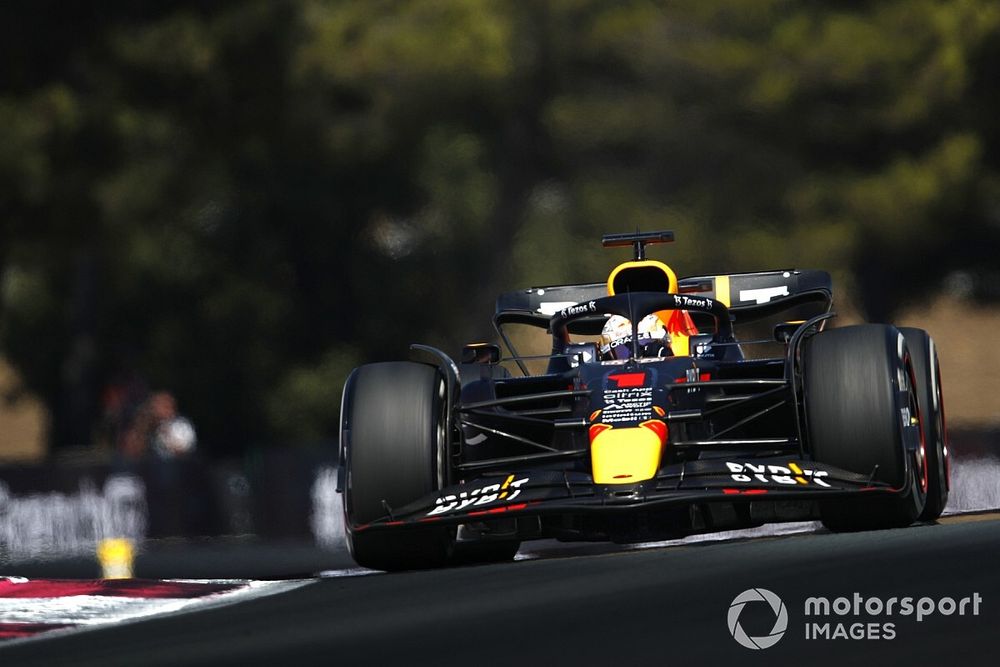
{"x": 447, "y": 462}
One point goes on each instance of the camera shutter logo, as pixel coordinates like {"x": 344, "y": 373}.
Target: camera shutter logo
{"x": 780, "y": 618}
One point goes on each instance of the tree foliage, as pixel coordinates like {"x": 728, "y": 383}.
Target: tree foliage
{"x": 242, "y": 200}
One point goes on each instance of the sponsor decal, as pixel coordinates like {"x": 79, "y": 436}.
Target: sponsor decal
{"x": 45, "y": 523}
{"x": 909, "y": 419}
{"x": 682, "y": 301}
{"x": 615, "y": 342}
{"x": 693, "y": 375}
{"x": 550, "y": 308}
{"x": 763, "y": 295}
{"x": 792, "y": 475}
{"x": 703, "y": 348}
{"x": 477, "y": 497}
{"x": 628, "y": 403}
{"x": 578, "y": 309}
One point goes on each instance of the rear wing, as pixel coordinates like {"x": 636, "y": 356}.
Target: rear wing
{"x": 749, "y": 297}
{"x": 753, "y": 296}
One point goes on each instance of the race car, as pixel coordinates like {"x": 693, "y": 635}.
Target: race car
{"x": 657, "y": 414}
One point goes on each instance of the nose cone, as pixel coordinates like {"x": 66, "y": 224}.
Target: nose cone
{"x": 626, "y": 455}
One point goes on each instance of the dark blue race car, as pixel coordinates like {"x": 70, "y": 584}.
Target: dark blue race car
{"x": 666, "y": 407}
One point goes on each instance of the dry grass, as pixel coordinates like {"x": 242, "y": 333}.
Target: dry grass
{"x": 23, "y": 422}
{"x": 970, "y": 361}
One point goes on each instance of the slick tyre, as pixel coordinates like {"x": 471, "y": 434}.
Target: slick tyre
{"x": 394, "y": 449}
{"x": 923, "y": 352}
{"x": 858, "y": 391}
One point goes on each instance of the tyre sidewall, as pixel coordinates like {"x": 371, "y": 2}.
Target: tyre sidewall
{"x": 857, "y": 395}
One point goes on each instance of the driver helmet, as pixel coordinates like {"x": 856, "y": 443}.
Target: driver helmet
{"x": 616, "y": 338}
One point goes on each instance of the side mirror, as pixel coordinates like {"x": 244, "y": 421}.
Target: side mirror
{"x": 581, "y": 353}
{"x": 481, "y": 353}
{"x": 700, "y": 346}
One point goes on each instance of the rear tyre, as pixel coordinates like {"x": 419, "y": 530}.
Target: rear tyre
{"x": 923, "y": 352}
{"x": 858, "y": 390}
{"x": 394, "y": 450}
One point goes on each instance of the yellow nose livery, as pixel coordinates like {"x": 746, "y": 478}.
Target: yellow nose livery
{"x": 625, "y": 455}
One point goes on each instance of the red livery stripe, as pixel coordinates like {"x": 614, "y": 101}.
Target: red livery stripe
{"x": 626, "y": 380}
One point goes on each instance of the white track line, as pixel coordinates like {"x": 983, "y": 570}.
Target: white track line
{"x": 85, "y": 612}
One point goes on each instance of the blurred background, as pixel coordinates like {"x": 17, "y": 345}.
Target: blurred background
{"x": 233, "y": 203}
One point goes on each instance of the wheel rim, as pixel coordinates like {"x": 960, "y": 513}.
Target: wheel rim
{"x": 917, "y": 419}
{"x": 942, "y": 444}
{"x": 441, "y": 439}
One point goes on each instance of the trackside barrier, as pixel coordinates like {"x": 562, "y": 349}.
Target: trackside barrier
{"x": 58, "y": 511}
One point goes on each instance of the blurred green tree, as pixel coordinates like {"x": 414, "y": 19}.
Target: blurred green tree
{"x": 240, "y": 201}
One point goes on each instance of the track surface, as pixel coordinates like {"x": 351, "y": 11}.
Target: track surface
{"x": 656, "y": 606}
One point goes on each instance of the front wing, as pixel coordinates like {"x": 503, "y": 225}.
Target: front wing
{"x": 531, "y": 493}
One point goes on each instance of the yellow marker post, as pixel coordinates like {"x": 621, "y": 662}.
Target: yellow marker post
{"x": 116, "y": 556}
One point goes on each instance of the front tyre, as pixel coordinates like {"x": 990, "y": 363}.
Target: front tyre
{"x": 394, "y": 441}
{"x": 862, "y": 415}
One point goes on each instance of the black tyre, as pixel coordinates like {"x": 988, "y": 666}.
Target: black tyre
{"x": 858, "y": 391}
{"x": 394, "y": 441}
{"x": 927, "y": 370}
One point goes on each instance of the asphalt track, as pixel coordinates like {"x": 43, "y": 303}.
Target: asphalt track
{"x": 605, "y": 606}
